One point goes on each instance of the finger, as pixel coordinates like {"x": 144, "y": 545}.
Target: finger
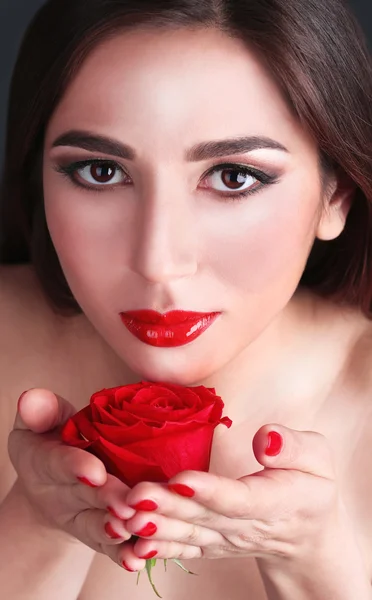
{"x": 305, "y": 451}
{"x": 96, "y": 529}
{"x": 160, "y": 549}
{"x": 110, "y": 497}
{"x": 124, "y": 556}
{"x": 259, "y": 496}
{"x": 159, "y": 527}
{"x": 40, "y": 410}
{"x": 234, "y": 499}
{"x": 42, "y": 458}
{"x": 155, "y": 497}
{"x": 266, "y": 495}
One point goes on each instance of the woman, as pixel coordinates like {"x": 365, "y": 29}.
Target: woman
{"x": 212, "y": 157}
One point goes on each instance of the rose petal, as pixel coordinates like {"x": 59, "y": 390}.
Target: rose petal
{"x": 84, "y": 425}
{"x": 70, "y": 435}
{"x": 127, "y": 466}
{"x": 188, "y": 449}
{"x": 149, "y": 431}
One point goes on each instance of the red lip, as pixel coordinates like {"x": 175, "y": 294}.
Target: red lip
{"x": 175, "y": 317}
{"x": 175, "y": 328}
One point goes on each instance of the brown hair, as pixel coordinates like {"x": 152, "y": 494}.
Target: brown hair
{"x": 318, "y": 54}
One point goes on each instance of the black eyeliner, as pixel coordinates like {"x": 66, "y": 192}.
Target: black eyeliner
{"x": 69, "y": 170}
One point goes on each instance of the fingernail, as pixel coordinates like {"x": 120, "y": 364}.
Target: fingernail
{"x": 147, "y": 530}
{"x": 86, "y": 481}
{"x": 113, "y": 512}
{"x": 127, "y": 568}
{"x": 145, "y": 505}
{"x": 149, "y": 555}
{"x": 111, "y": 531}
{"x": 274, "y": 443}
{"x": 181, "y": 489}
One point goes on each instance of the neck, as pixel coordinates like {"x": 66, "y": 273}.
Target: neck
{"x": 284, "y": 376}
{"x": 287, "y": 373}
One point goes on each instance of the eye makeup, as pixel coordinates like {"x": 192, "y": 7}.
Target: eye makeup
{"x": 72, "y": 171}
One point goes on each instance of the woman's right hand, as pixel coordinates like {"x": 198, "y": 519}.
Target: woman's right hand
{"x": 50, "y": 472}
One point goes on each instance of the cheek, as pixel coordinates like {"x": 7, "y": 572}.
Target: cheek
{"x": 268, "y": 245}
{"x": 253, "y": 246}
{"x": 87, "y": 231}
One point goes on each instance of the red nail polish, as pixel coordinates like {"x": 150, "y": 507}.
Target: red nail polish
{"x": 181, "y": 489}
{"x": 127, "y": 568}
{"x": 149, "y": 555}
{"x": 86, "y": 481}
{"x": 113, "y": 512}
{"x": 147, "y": 530}
{"x": 145, "y": 505}
{"x": 274, "y": 443}
{"x": 111, "y": 531}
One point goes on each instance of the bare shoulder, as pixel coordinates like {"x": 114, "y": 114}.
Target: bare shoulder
{"x": 358, "y": 452}
{"x": 359, "y": 384}
{"x": 37, "y": 344}
{"x": 362, "y": 376}
{"x": 38, "y": 349}
{"x": 26, "y": 326}
{"x": 22, "y": 307}
{"x": 20, "y": 291}
{"x": 26, "y": 318}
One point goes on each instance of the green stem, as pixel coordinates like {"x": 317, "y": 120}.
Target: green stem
{"x": 152, "y": 562}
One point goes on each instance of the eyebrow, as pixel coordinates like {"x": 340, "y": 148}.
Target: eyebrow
{"x": 198, "y": 152}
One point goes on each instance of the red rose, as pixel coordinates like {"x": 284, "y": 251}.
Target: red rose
{"x": 148, "y": 431}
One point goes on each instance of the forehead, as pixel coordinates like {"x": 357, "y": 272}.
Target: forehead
{"x": 194, "y": 83}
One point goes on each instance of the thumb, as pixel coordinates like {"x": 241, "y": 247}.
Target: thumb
{"x": 279, "y": 447}
{"x": 41, "y": 410}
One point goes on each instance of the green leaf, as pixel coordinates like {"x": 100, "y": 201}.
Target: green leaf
{"x": 149, "y": 565}
{"x": 178, "y": 563}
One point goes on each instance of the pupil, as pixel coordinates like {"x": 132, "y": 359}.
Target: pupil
{"x": 102, "y": 173}
{"x": 236, "y": 178}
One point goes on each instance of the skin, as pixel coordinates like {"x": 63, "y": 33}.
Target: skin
{"x": 166, "y": 239}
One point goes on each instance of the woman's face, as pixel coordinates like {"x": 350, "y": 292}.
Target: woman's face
{"x": 156, "y": 228}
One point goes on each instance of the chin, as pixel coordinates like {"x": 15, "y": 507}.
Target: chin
{"x": 186, "y": 378}
{"x": 168, "y": 369}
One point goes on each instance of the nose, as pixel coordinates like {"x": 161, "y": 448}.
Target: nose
{"x": 166, "y": 244}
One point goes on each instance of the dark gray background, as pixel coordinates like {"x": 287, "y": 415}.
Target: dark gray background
{"x": 16, "y": 14}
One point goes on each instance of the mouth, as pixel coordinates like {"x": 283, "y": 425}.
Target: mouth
{"x": 175, "y": 328}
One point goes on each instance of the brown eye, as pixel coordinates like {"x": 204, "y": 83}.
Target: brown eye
{"x": 102, "y": 173}
{"x": 233, "y": 179}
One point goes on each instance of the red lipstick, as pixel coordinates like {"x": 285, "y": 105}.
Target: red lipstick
{"x": 175, "y": 328}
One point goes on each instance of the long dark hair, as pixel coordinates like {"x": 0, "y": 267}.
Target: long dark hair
{"x": 316, "y": 51}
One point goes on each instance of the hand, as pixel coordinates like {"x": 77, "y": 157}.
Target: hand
{"x": 49, "y": 472}
{"x": 285, "y": 510}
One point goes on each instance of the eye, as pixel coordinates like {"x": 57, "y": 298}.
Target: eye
{"x": 102, "y": 173}
{"x": 236, "y": 180}
{"x": 233, "y": 179}
{"x": 94, "y": 174}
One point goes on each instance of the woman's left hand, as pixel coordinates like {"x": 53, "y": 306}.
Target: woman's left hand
{"x": 285, "y": 510}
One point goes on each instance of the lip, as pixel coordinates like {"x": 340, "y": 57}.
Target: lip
{"x": 175, "y": 328}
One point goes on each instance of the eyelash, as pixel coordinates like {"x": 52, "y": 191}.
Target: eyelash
{"x": 70, "y": 171}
